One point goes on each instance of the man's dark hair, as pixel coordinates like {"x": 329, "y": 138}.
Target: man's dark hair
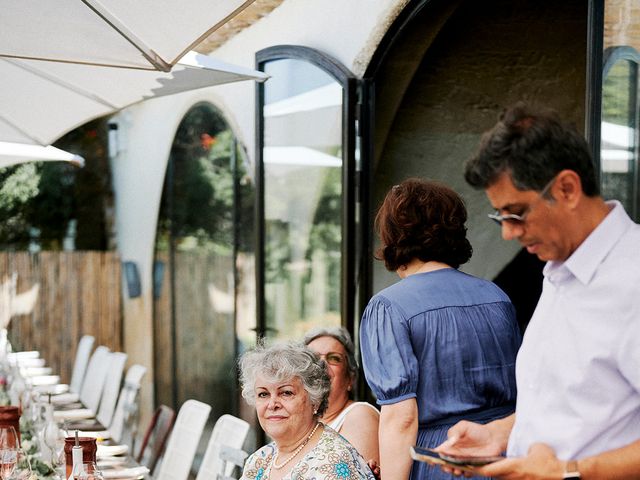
{"x": 532, "y": 146}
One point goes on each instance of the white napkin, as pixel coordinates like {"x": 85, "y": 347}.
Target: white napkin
{"x": 35, "y": 371}
{"x": 44, "y": 380}
{"x": 111, "y": 450}
{"x": 100, "y": 435}
{"x": 74, "y": 414}
{"x": 131, "y": 472}
{"x": 55, "y": 389}
{"x": 68, "y": 397}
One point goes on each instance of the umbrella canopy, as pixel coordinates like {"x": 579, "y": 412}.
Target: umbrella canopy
{"x": 65, "y": 63}
{"x": 14, "y": 153}
{"x": 143, "y": 34}
{"x": 41, "y": 100}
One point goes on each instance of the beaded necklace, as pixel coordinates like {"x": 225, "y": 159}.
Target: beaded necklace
{"x": 274, "y": 462}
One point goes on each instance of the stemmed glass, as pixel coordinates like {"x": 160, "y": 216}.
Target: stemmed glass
{"x": 53, "y": 440}
{"x": 89, "y": 471}
{"x": 9, "y": 446}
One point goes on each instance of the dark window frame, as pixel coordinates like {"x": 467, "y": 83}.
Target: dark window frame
{"x": 349, "y": 84}
{"x": 611, "y": 56}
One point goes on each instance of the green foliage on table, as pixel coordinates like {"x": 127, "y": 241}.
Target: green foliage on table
{"x": 31, "y": 460}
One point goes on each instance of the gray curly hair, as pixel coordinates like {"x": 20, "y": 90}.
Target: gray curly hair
{"x": 282, "y": 362}
{"x": 341, "y": 334}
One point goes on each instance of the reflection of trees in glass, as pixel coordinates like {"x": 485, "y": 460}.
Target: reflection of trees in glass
{"x": 326, "y": 231}
{"x": 195, "y": 313}
{"x": 618, "y": 107}
{"x": 616, "y": 94}
{"x": 39, "y": 199}
{"x": 277, "y": 250}
{"x": 325, "y": 237}
{"x": 303, "y": 246}
{"x": 200, "y": 206}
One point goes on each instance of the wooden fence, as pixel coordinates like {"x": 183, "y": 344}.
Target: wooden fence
{"x": 204, "y": 338}
{"x": 78, "y": 293}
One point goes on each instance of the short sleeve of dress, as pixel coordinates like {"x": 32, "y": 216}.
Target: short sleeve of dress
{"x": 390, "y": 366}
{"x": 257, "y": 465}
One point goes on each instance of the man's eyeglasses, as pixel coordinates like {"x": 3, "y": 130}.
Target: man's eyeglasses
{"x": 515, "y": 219}
{"x": 332, "y": 358}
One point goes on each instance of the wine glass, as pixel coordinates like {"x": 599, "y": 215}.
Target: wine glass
{"x": 89, "y": 471}
{"x": 8, "y": 451}
{"x": 52, "y": 439}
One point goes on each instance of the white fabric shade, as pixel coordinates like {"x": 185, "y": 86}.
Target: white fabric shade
{"x": 14, "y": 153}
{"x": 148, "y": 34}
{"x": 67, "y": 62}
{"x": 40, "y": 101}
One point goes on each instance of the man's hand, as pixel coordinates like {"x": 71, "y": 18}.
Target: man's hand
{"x": 472, "y": 439}
{"x": 540, "y": 463}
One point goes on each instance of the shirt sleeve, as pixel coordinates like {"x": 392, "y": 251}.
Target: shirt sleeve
{"x": 390, "y": 366}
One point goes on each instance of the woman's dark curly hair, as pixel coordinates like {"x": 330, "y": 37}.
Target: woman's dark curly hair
{"x": 423, "y": 220}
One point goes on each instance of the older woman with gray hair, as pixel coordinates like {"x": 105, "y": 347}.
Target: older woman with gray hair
{"x": 289, "y": 386}
{"x": 356, "y": 421}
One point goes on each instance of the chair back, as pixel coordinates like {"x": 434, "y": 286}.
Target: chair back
{"x": 83, "y": 352}
{"x": 111, "y": 388}
{"x": 156, "y": 437}
{"x": 229, "y": 431}
{"x": 126, "y": 411}
{"x": 95, "y": 377}
{"x": 183, "y": 442}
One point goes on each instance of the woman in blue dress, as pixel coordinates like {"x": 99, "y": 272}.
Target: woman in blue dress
{"x": 440, "y": 345}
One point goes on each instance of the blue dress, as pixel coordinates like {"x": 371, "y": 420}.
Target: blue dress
{"x": 449, "y": 340}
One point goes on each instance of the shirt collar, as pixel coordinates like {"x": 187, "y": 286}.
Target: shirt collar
{"x": 584, "y": 262}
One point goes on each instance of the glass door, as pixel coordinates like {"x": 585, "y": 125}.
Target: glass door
{"x": 305, "y": 176}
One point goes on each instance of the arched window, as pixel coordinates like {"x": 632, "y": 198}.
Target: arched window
{"x": 205, "y": 219}
{"x": 619, "y": 127}
{"x": 305, "y": 174}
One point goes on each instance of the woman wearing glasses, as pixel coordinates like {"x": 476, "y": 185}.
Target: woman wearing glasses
{"x": 440, "y": 345}
{"x": 355, "y": 421}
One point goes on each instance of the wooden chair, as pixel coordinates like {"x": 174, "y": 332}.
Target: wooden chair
{"x": 156, "y": 437}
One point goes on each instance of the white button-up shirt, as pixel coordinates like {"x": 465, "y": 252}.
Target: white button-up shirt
{"x": 578, "y": 370}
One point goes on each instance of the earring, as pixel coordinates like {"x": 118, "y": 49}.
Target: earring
{"x": 315, "y": 412}
{"x": 349, "y": 388}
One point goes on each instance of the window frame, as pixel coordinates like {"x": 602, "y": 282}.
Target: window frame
{"x": 349, "y": 85}
{"x": 611, "y": 56}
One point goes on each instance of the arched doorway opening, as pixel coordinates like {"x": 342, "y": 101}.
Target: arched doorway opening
{"x": 203, "y": 264}
{"x": 441, "y": 76}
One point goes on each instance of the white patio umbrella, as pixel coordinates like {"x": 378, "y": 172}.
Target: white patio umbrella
{"x": 15, "y": 153}
{"x": 67, "y": 62}
{"x": 42, "y": 100}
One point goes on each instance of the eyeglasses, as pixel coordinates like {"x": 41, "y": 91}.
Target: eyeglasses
{"x": 515, "y": 219}
{"x": 332, "y": 358}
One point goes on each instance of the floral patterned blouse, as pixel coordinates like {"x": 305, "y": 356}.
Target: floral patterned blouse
{"x": 333, "y": 458}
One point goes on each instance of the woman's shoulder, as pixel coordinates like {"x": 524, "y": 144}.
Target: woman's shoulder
{"x": 357, "y": 414}
{"x": 362, "y": 411}
{"x": 266, "y": 451}
{"x": 342, "y": 456}
{"x": 258, "y": 462}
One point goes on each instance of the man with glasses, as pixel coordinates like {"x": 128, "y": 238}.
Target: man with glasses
{"x": 578, "y": 370}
